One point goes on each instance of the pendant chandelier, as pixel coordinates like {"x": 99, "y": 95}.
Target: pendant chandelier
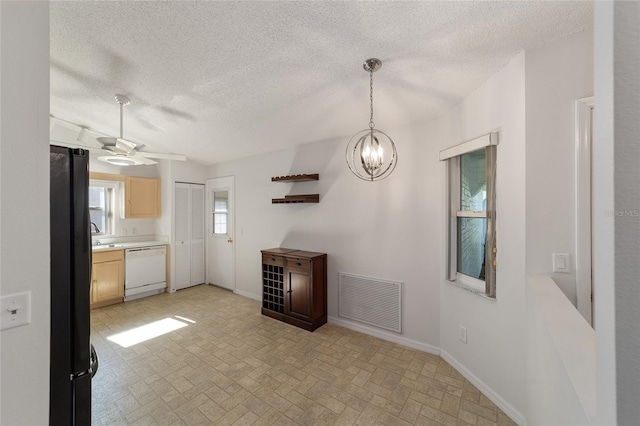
{"x": 368, "y": 148}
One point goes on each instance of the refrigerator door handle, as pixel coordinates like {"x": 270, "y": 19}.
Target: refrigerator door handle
{"x": 93, "y": 367}
{"x": 76, "y": 376}
{"x": 94, "y": 361}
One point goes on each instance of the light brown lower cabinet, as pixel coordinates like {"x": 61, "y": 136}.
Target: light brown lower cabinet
{"x": 294, "y": 287}
{"x": 107, "y": 278}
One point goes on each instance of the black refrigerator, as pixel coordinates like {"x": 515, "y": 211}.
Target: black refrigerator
{"x": 73, "y": 359}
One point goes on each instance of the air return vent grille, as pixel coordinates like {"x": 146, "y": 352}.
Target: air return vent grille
{"x": 370, "y": 300}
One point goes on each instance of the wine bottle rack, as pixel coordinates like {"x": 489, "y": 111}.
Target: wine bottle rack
{"x": 273, "y": 288}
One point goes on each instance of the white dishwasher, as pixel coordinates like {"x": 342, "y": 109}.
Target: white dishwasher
{"x": 144, "y": 271}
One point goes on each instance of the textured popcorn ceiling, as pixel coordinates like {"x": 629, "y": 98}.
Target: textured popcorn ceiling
{"x": 218, "y": 81}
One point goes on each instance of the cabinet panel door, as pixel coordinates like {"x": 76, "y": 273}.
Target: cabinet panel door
{"x": 298, "y": 295}
{"x": 142, "y": 197}
{"x": 107, "y": 281}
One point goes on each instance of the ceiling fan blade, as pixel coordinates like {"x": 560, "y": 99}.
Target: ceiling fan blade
{"x": 125, "y": 146}
{"x": 107, "y": 142}
{"x": 144, "y": 160}
{"x": 71, "y": 145}
{"x": 87, "y": 135}
{"x": 161, "y": 156}
{"x": 117, "y": 146}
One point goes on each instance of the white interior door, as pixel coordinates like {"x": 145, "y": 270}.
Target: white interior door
{"x": 189, "y": 235}
{"x": 197, "y": 234}
{"x": 182, "y": 250}
{"x": 220, "y": 232}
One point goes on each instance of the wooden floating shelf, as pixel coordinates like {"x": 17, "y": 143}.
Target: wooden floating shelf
{"x": 290, "y": 199}
{"x": 295, "y": 178}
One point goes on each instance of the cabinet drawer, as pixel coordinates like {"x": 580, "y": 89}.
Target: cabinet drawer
{"x": 299, "y": 264}
{"x": 270, "y": 259}
{"x": 108, "y": 256}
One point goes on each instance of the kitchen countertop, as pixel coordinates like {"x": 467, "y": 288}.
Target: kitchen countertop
{"x": 122, "y": 246}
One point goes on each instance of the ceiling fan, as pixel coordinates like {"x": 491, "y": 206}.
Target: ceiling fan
{"x": 124, "y": 152}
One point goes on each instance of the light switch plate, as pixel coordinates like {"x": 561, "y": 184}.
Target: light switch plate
{"x": 462, "y": 336}
{"x": 15, "y": 310}
{"x": 561, "y": 263}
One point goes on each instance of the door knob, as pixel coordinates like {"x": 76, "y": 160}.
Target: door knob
{"x": 230, "y": 240}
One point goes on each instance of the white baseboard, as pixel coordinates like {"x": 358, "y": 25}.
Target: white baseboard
{"x": 247, "y": 294}
{"x": 384, "y": 335}
{"x": 508, "y": 409}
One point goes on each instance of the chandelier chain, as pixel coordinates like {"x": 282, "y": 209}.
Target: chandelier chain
{"x": 371, "y": 124}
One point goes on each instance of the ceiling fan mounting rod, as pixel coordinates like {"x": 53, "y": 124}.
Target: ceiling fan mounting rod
{"x": 122, "y": 100}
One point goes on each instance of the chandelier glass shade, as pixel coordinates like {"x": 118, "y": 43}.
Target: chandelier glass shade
{"x": 371, "y": 154}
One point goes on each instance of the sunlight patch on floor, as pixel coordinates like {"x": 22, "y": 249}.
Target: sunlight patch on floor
{"x": 146, "y": 332}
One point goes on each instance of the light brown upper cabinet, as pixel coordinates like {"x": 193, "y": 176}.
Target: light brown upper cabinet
{"x": 141, "y": 198}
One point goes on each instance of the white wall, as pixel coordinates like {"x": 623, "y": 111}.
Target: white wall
{"x": 627, "y": 205}
{"x": 494, "y": 355}
{"x": 617, "y": 235}
{"x": 556, "y": 76}
{"x": 603, "y": 228}
{"x": 561, "y": 358}
{"x": 24, "y": 209}
{"x": 384, "y": 229}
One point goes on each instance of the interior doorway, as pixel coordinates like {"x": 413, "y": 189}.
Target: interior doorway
{"x": 585, "y": 109}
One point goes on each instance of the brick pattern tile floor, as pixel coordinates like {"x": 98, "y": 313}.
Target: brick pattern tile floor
{"x": 233, "y": 366}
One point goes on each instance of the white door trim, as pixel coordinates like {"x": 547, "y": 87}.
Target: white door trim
{"x": 584, "y": 109}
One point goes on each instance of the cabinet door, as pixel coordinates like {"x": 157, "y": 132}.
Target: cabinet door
{"x": 107, "y": 281}
{"x": 298, "y": 297}
{"x": 142, "y": 198}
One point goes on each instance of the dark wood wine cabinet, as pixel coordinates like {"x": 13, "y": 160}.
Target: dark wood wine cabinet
{"x": 294, "y": 287}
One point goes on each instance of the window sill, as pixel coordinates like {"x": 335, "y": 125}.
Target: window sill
{"x": 470, "y": 289}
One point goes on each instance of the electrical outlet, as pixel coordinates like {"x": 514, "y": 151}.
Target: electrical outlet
{"x": 134, "y": 230}
{"x": 462, "y": 335}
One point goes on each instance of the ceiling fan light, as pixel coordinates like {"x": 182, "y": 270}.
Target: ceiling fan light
{"x": 119, "y": 160}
